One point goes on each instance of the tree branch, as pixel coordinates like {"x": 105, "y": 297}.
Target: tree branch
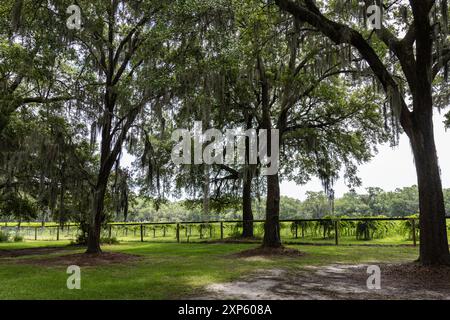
{"x": 340, "y": 33}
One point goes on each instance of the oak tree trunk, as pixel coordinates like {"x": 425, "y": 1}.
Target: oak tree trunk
{"x": 433, "y": 232}
{"x": 94, "y": 231}
{"x": 106, "y": 164}
{"x": 272, "y": 225}
{"x": 247, "y": 214}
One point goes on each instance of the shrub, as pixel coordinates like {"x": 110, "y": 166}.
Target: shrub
{"x": 365, "y": 229}
{"x": 4, "y": 236}
{"x": 325, "y": 226}
{"x": 406, "y": 227}
{"x": 18, "y": 238}
{"x": 374, "y": 229}
{"x": 81, "y": 240}
{"x": 236, "y": 230}
{"x": 258, "y": 229}
{"x": 347, "y": 228}
{"x": 112, "y": 240}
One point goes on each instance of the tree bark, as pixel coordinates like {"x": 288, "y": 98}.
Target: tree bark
{"x": 247, "y": 214}
{"x": 433, "y": 231}
{"x": 107, "y": 159}
{"x": 272, "y": 225}
{"x": 94, "y": 231}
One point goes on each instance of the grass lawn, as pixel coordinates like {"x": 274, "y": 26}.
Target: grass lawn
{"x": 166, "y": 270}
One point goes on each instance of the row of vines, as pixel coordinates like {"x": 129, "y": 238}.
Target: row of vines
{"x": 308, "y": 231}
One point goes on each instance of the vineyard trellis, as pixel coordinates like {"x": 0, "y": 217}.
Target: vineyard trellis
{"x": 380, "y": 230}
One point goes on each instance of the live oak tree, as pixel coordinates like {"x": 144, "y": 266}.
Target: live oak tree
{"x": 37, "y": 144}
{"x": 28, "y": 55}
{"x": 410, "y": 68}
{"x": 199, "y": 90}
{"x": 301, "y": 95}
{"x": 115, "y": 80}
{"x": 45, "y": 165}
{"x": 288, "y": 91}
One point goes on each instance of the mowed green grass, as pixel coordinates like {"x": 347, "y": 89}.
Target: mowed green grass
{"x": 168, "y": 270}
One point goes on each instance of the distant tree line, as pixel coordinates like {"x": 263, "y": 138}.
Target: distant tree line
{"x": 375, "y": 201}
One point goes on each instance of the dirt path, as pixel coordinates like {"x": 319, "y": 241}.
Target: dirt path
{"x": 336, "y": 282}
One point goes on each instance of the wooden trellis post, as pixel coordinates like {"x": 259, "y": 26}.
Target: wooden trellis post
{"x": 413, "y": 221}
{"x": 109, "y": 232}
{"x": 296, "y": 229}
{"x": 178, "y": 232}
{"x": 324, "y": 231}
{"x": 221, "y": 230}
{"x": 142, "y": 233}
{"x": 35, "y": 233}
{"x": 57, "y": 233}
{"x": 336, "y": 232}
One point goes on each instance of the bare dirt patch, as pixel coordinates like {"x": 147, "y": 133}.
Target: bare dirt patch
{"x": 268, "y": 252}
{"x": 337, "y": 282}
{"x": 82, "y": 259}
{"x": 415, "y": 274}
{"x": 31, "y": 251}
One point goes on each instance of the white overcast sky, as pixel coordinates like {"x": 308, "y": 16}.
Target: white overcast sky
{"x": 391, "y": 168}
